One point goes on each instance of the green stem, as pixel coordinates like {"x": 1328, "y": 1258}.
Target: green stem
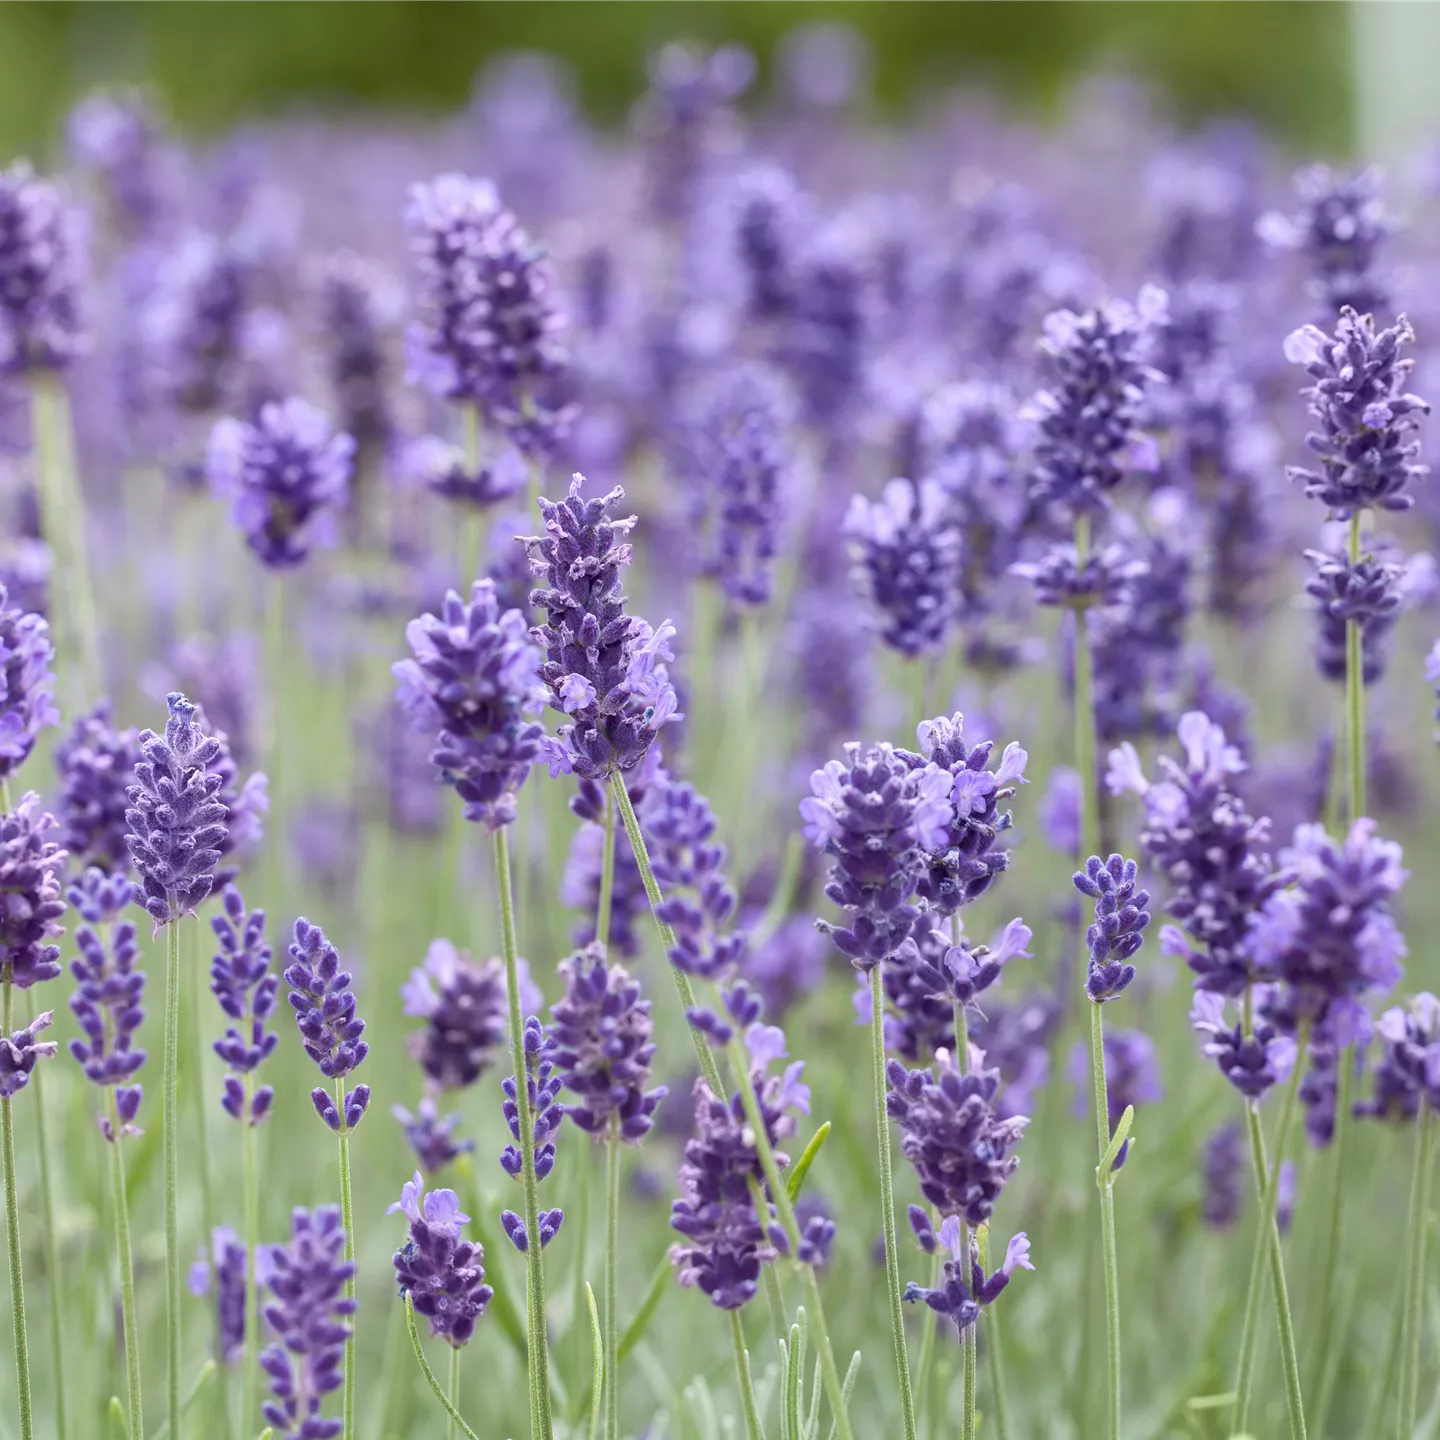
{"x": 967, "y": 1391}
{"x": 1107, "y": 1224}
{"x": 1084, "y": 715}
{"x": 995, "y": 1360}
{"x": 12, "y": 1238}
{"x": 1339, "y": 1171}
{"x": 52, "y": 1250}
{"x": 171, "y": 1167}
{"x": 1386, "y": 1387}
{"x": 451, "y": 1430}
{"x": 1267, "y": 1239}
{"x": 455, "y": 1416}
{"x": 197, "y": 1088}
{"x": 130, "y": 1329}
{"x": 887, "y": 1200}
{"x": 753, "y": 1428}
{"x": 1355, "y": 691}
{"x": 1414, "y": 1299}
{"x": 250, "y": 1372}
{"x": 607, "y": 875}
{"x": 541, "y": 1425}
{"x": 347, "y": 1218}
{"x": 612, "y": 1285}
{"x": 931, "y": 1323}
{"x": 470, "y": 523}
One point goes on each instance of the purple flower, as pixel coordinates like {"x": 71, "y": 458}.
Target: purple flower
{"x": 309, "y": 1314}
{"x": 431, "y": 1138}
{"x": 603, "y": 668}
{"x": 1409, "y": 1066}
{"x": 224, "y": 677}
{"x": 27, "y": 683}
{"x": 94, "y": 762}
{"x": 1059, "y": 811}
{"x": 226, "y": 1263}
{"x": 108, "y": 1007}
{"x": 118, "y": 134}
{"x": 439, "y": 466}
{"x": 1107, "y": 576}
{"x": 964, "y": 1287}
{"x": 767, "y": 207}
{"x": 1251, "y": 1063}
{"x": 176, "y": 819}
{"x": 827, "y": 335}
{"x": 877, "y": 818}
{"x": 950, "y": 1133}
{"x": 1367, "y": 444}
{"x": 286, "y": 473}
{"x": 464, "y": 1006}
{"x": 489, "y": 331}
{"x": 965, "y": 971}
{"x": 907, "y": 548}
{"x": 546, "y": 1114}
{"x": 358, "y": 302}
{"x": 1119, "y": 928}
{"x": 601, "y": 1048}
{"x": 330, "y": 1031}
{"x": 473, "y": 677}
{"x": 443, "y": 1275}
{"x": 98, "y": 897}
{"x": 1328, "y": 937}
{"x": 242, "y": 981}
{"x": 1367, "y": 593}
{"x": 41, "y": 274}
{"x": 31, "y": 867}
{"x": 1088, "y": 417}
{"x": 1223, "y": 1177}
{"x": 20, "y": 1051}
{"x": 1214, "y": 854}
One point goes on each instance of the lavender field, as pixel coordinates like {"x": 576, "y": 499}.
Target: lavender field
{"x": 888, "y": 671}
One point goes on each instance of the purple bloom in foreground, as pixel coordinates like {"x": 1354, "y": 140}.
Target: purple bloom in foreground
{"x": 1251, "y": 1063}
{"x": 309, "y": 1314}
{"x": 176, "y": 820}
{"x": 330, "y": 1031}
{"x": 41, "y": 274}
{"x": 877, "y": 818}
{"x": 286, "y": 473}
{"x": 546, "y": 1114}
{"x": 27, "y": 703}
{"x": 94, "y": 762}
{"x": 20, "y": 1051}
{"x": 601, "y": 1048}
{"x": 109, "y": 991}
{"x": 473, "y": 676}
{"x": 964, "y": 1287}
{"x": 1367, "y": 593}
{"x": 31, "y": 866}
{"x": 1119, "y": 928}
{"x": 226, "y": 1265}
{"x": 242, "y": 981}
{"x": 431, "y": 1137}
{"x": 443, "y": 1275}
{"x": 1367, "y": 444}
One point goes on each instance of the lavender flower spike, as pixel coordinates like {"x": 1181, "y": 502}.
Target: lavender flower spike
{"x": 964, "y": 1287}
{"x": 94, "y": 762}
{"x": 1251, "y": 1063}
{"x": 603, "y": 668}
{"x": 1119, "y": 928}
{"x": 177, "y": 825}
{"x": 225, "y": 1265}
{"x": 546, "y": 1115}
{"x": 27, "y": 684}
{"x": 242, "y": 981}
{"x": 473, "y": 676}
{"x": 30, "y": 899}
{"x": 330, "y": 1031}
{"x": 443, "y": 1275}
{"x": 41, "y": 275}
{"x": 286, "y": 473}
{"x": 431, "y": 1137}
{"x": 309, "y": 1314}
{"x": 20, "y": 1051}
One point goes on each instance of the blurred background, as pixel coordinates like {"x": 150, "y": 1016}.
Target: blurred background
{"x": 1291, "y": 65}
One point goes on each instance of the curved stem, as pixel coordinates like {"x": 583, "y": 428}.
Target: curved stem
{"x": 451, "y": 1431}
{"x": 130, "y": 1330}
{"x": 1414, "y": 1299}
{"x": 171, "y": 1162}
{"x": 347, "y": 1218}
{"x": 1355, "y": 691}
{"x": 1109, "y": 1253}
{"x": 250, "y": 1372}
{"x": 540, "y": 1421}
{"x": 753, "y": 1428}
{"x": 52, "y": 1251}
{"x": 12, "y": 1239}
{"x": 887, "y": 1200}
{"x": 612, "y": 1287}
{"x": 607, "y": 874}
{"x": 456, "y": 1417}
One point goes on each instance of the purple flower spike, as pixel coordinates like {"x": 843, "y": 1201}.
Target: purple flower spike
{"x": 1368, "y": 442}
{"x": 1370, "y": 593}
{"x": 1409, "y": 1065}
{"x": 1119, "y": 928}
{"x": 473, "y": 676}
{"x": 31, "y": 866}
{"x": 242, "y": 981}
{"x": 225, "y": 1264}
{"x": 20, "y": 1051}
{"x": 27, "y": 703}
{"x": 108, "y": 1007}
{"x": 964, "y": 1287}
{"x": 330, "y": 1030}
{"x": 94, "y": 762}
{"x": 464, "y": 1005}
{"x": 544, "y": 1088}
{"x": 1251, "y": 1063}
{"x": 286, "y": 473}
{"x": 601, "y": 1048}
{"x": 432, "y": 1138}
{"x": 99, "y": 898}
{"x": 604, "y": 669}
{"x": 359, "y": 302}
{"x": 443, "y": 1274}
{"x": 41, "y": 275}
{"x": 877, "y": 817}
{"x": 176, "y": 820}
{"x": 309, "y": 1315}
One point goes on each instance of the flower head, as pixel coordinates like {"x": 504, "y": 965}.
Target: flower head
{"x": 1251, "y": 1063}
{"x": 1120, "y": 921}
{"x": 108, "y": 1007}
{"x": 432, "y": 1138}
{"x": 330, "y": 1031}
{"x": 20, "y": 1052}
{"x": 27, "y": 703}
{"x": 94, "y": 762}
{"x": 1369, "y": 594}
{"x": 242, "y": 981}
{"x": 964, "y": 1287}
{"x": 546, "y": 1115}
{"x": 31, "y": 866}
{"x": 225, "y": 1263}
{"x": 443, "y": 1275}
{"x": 41, "y": 274}
{"x": 1223, "y": 1174}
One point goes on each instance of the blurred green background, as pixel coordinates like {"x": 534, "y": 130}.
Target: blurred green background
{"x": 1286, "y": 61}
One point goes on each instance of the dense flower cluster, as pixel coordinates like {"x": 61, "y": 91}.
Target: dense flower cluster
{"x": 473, "y": 676}
{"x": 1366, "y": 594}
{"x": 27, "y": 702}
{"x": 442, "y": 468}
{"x": 330, "y": 1030}
{"x": 1119, "y": 928}
{"x": 443, "y": 1275}
{"x": 286, "y": 473}
{"x": 546, "y": 1114}
{"x": 964, "y": 1287}
{"x": 1213, "y": 853}
{"x": 94, "y": 762}
{"x": 224, "y": 1266}
{"x": 242, "y": 981}
{"x": 1106, "y": 576}
{"x": 604, "y": 669}
{"x": 431, "y": 1137}
{"x": 1367, "y": 444}
{"x": 41, "y": 274}
{"x": 31, "y": 904}
{"x": 108, "y": 1007}
{"x": 463, "y": 1006}
{"x": 1251, "y": 1063}
{"x": 1409, "y": 1067}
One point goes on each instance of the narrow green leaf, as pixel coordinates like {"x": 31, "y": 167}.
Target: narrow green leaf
{"x": 847, "y": 1388}
{"x": 597, "y": 1351}
{"x": 806, "y": 1160}
{"x": 635, "y": 1330}
{"x": 1103, "y": 1172}
{"x": 1211, "y": 1402}
{"x": 203, "y": 1377}
{"x": 118, "y": 1422}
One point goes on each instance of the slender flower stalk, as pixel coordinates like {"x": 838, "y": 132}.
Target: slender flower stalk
{"x": 1415, "y": 1265}
{"x": 12, "y": 1239}
{"x": 131, "y": 1331}
{"x": 754, "y": 1430}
